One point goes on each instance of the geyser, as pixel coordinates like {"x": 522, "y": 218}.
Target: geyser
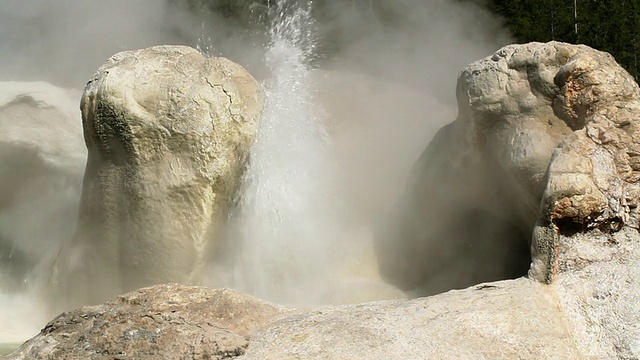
{"x": 581, "y": 300}
{"x": 287, "y": 214}
{"x": 353, "y": 97}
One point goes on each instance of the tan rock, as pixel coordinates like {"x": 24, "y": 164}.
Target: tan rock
{"x": 161, "y": 322}
{"x": 503, "y": 320}
{"x": 168, "y": 133}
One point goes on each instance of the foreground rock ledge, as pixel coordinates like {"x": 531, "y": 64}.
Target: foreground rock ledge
{"x": 503, "y": 320}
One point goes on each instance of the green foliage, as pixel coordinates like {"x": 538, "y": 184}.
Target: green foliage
{"x": 608, "y": 25}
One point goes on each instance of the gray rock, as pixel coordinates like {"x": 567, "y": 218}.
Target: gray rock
{"x": 168, "y": 133}
{"x": 42, "y": 157}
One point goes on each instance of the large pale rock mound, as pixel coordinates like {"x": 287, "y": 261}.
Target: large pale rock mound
{"x": 474, "y": 194}
{"x": 168, "y": 133}
{"x": 586, "y": 239}
{"x": 42, "y": 157}
{"x": 544, "y": 152}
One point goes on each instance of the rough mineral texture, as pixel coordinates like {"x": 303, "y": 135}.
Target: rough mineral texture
{"x": 599, "y": 290}
{"x": 474, "y": 194}
{"x": 592, "y": 180}
{"x": 503, "y": 320}
{"x": 586, "y": 239}
{"x": 161, "y": 322}
{"x": 544, "y": 151}
{"x": 168, "y": 133}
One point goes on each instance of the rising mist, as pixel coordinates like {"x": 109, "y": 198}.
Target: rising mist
{"x": 368, "y": 85}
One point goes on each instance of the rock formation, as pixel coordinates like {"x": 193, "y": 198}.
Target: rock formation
{"x": 161, "y": 322}
{"x": 42, "y": 157}
{"x": 168, "y": 133}
{"x": 474, "y": 194}
{"x": 510, "y": 319}
{"x": 582, "y": 296}
{"x": 544, "y": 150}
{"x": 586, "y": 239}
{"x": 482, "y": 177}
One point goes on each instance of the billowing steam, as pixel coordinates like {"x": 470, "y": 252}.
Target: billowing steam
{"x": 355, "y": 90}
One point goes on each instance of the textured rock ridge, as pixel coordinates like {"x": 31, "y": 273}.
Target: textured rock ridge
{"x": 161, "y": 322}
{"x": 545, "y": 148}
{"x": 503, "y": 320}
{"x": 168, "y": 133}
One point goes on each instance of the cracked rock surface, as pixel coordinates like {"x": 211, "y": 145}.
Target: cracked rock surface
{"x": 168, "y": 134}
{"x": 160, "y": 322}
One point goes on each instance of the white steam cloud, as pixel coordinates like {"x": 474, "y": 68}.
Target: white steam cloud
{"x": 381, "y": 78}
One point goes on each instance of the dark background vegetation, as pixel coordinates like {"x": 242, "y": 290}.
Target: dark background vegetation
{"x": 607, "y": 25}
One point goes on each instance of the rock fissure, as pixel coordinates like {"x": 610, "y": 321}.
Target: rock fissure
{"x": 221, "y": 87}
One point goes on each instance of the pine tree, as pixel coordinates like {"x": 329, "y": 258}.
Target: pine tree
{"x": 606, "y": 25}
